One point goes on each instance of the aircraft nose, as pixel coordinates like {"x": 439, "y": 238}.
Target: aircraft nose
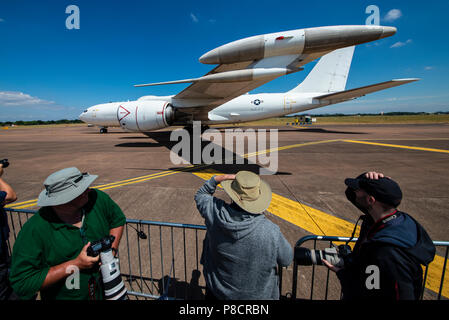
{"x": 83, "y": 116}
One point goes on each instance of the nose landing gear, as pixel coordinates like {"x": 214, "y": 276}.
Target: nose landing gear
{"x": 104, "y": 130}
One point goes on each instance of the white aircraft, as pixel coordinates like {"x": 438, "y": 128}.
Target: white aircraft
{"x": 221, "y": 96}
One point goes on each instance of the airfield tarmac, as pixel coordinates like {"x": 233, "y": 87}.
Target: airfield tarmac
{"x": 308, "y": 189}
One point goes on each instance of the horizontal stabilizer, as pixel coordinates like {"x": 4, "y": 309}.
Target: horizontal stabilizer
{"x": 359, "y": 92}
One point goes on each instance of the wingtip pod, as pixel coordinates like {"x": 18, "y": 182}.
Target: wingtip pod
{"x": 310, "y": 40}
{"x": 336, "y": 37}
{"x": 407, "y": 79}
{"x": 388, "y": 32}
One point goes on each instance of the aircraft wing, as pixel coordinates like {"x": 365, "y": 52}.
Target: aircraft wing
{"x": 360, "y": 92}
{"x": 226, "y": 82}
{"x": 206, "y": 96}
{"x": 248, "y": 63}
{"x": 204, "y": 90}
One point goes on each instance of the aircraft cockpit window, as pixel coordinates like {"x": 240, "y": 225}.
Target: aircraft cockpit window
{"x": 85, "y": 111}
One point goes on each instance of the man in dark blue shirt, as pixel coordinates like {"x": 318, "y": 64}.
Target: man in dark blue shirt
{"x": 387, "y": 257}
{"x": 7, "y": 195}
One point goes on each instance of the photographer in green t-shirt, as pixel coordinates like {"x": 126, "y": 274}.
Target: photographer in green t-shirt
{"x": 50, "y": 253}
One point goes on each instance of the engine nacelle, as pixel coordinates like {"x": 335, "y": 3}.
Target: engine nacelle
{"x": 145, "y": 115}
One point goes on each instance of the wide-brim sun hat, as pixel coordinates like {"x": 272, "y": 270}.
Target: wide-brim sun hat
{"x": 249, "y": 192}
{"x": 63, "y": 186}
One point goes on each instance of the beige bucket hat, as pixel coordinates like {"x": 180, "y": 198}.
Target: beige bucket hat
{"x": 248, "y": 191}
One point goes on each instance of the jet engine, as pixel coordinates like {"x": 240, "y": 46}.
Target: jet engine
{"x": 145, "y": 115}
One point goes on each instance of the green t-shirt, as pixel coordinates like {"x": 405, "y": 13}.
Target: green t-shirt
{"x": 46, "y": 241}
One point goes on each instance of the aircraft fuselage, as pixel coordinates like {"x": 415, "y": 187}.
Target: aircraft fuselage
{"x": 248, "y": 107}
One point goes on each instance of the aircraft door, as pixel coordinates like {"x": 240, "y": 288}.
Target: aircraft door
{"x": 288, "y": 104}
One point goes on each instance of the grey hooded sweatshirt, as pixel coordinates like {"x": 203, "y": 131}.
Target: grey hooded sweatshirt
{"x": 241, "y": 250}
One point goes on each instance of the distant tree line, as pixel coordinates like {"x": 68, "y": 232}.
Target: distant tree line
{"x": 375, "y": 114}
{"x": 38, "y": 122}
{"x": 65, "y": 121}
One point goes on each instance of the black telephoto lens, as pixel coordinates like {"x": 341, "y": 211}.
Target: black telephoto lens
{"x": 303, "y": 256}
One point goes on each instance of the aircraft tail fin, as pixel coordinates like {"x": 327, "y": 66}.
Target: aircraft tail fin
{"x": 329, "y": 74}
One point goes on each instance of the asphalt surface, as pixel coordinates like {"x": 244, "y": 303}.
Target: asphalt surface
{"x": 312, "y": 163}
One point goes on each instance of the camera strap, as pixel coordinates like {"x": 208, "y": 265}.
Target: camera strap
{"x": 380, "y": 224}
{"x": 82, "y": 230}
{"x": 354, "y": 230}
{"x": 91, "y": 287}
{"x": 92, "y": 283}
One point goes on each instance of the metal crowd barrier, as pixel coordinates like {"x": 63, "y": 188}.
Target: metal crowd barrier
{"x": 158, "y": 260}
{"x": 161, "y": 260}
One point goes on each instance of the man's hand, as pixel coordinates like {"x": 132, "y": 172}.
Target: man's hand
{"x": 223, "y": 177}
{"x": 83, "y": 261}
{"x": 375, "y": 175}
{"x": 10, "y": 194}
{"x": 331, "y": 266}
{"x": 62, "y": 271}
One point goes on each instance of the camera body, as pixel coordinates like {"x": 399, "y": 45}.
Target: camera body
{"x": 101, "y": 245}
{"x": 4, "y": 162}
{"x": 336, "y": 256}
{"x": 114, "y": 287}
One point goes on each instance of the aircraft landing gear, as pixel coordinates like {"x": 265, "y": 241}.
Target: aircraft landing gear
{"x": 104, "y": 130}
{"x": 189, "y": 128}
{"x": 204, "y": 128}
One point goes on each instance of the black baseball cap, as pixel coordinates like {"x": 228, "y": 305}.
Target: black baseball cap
{"x": 385, "y": 190}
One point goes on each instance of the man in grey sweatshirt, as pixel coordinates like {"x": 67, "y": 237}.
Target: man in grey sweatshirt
{"x": 242, "y": 248}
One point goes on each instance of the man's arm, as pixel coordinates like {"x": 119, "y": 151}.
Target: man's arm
{"x": 10, "y": 193}
{"x": 204, "y": 196}
{"x": 29, "y": 273}
{"x": 285, "y": 254}
{"x": 117, "y": 233}
{"x": 63, "y": 270}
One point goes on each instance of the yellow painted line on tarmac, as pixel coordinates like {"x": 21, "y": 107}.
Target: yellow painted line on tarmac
{"x": 143, "y": 179}
{"x": 298, "y": 145}
{"x": 321, "y": 223}
{"x": 19, "y": 203}
{"x": 299, "y": 214}
{"x": 397, "y": 146}
{"x": 33, "y": 203}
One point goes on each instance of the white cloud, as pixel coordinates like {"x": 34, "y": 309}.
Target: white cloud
{"x": 401, "y": 44}
{"x": 393, "y": 15}
{"x": 15, "y": 98}
{"x": 428, "y": 67}
{"x": 194, "y": 18}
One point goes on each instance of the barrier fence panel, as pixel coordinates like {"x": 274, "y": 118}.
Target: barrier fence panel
{"x": 317, "y": 282}
{"x": 160, "y": 260}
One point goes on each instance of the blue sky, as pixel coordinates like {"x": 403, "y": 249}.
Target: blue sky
{"x": 50, "y": 72}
